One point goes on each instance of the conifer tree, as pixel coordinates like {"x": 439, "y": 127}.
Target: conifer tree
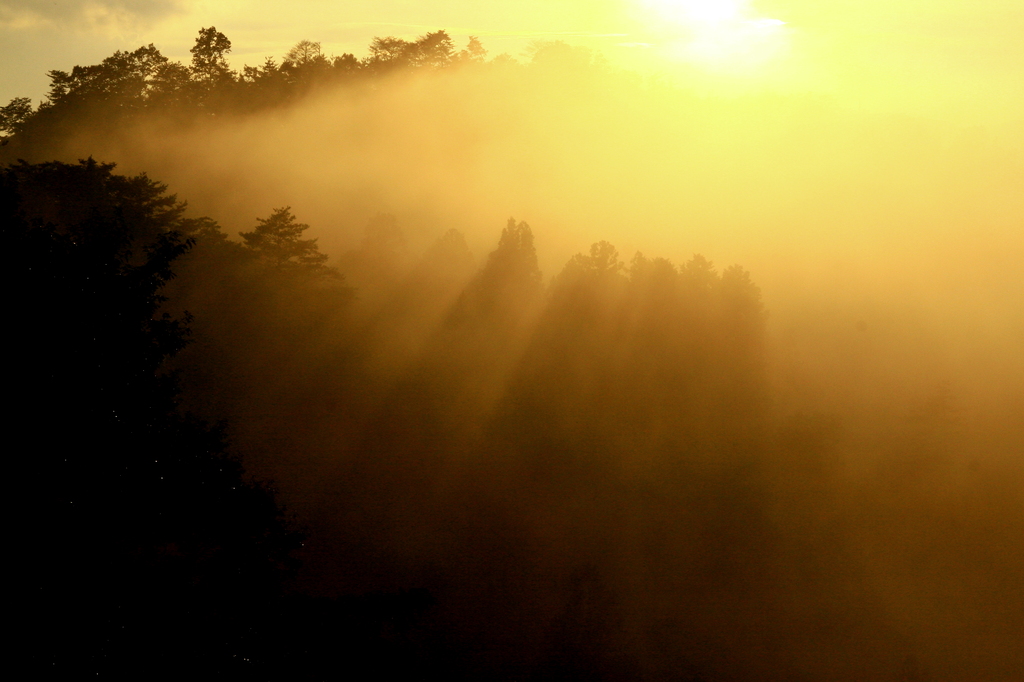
{"x": 278, "y": 241}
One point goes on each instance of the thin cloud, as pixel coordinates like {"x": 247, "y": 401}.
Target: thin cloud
{"x": 462, "y": 30}
{"x": 84, "y": 13}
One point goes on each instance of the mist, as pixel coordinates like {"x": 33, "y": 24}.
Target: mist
{"x": 537, "y": 390}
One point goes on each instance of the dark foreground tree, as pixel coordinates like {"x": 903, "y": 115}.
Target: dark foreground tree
{"x": 145, "y": 547}
{"x": 142, "y": 548}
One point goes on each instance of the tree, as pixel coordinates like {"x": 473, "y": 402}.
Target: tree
{"x": 170, "y": 84}
{"x": 14, "y": 115}
{"x": 346, "y": 63}
{"x": 507, "y": 286}
{"x": 473, "y": 52}
{"x": 603, "y": 260}
{"x": 209, "y": 65}
{"x": 102, "y": 97}
{"x": 435, "y": 50}
{"x": 388, "y": 51}
{"x": 124, "y": 78}
{"x": 146, "y": 544}
{"x": 515, "y": 258}
{"x": 305, "y": 63}
{"x": 305, "y": 52}
{"x": 277, "y": 240}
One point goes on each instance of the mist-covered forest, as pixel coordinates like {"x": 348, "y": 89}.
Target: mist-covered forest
{"x": 434, "y": 364}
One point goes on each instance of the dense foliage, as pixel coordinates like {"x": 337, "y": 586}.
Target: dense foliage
{"x": 146, "y": 541}
{"x": 129, "y": 83}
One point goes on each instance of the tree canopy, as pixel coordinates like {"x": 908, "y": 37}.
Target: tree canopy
{"x": 148, "y": 540}
{"x": 277, "y": 240}
{"x": 127, "y": 84}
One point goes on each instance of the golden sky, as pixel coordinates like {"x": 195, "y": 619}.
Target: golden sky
{"x": 942, "y": 59}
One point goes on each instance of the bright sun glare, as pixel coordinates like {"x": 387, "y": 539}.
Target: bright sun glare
{"x": 724, "y": 34}
{"x": 697, "y": 11}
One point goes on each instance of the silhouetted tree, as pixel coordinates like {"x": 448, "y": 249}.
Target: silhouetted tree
{"x": 125, "y": 78}
{"x": 304, "y": 52}
{"x": 14, "y": 115}
{"x": 449, "y": 256}
{"x": 277, "y": 240}
{"x": 508, "y": 280}
{"x": 601, "y": 265}
{"x": 433, "y": 50}
{"x": 127, "y": 84}
{"x": 474, "y": 51}
{"x": 209, "y": 64}
{"x": 148, "y": 547}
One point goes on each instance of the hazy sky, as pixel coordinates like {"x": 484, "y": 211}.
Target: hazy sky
{"x": 944, "y": 59}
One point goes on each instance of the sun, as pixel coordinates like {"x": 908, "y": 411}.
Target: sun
{"x": 724, "y": 35}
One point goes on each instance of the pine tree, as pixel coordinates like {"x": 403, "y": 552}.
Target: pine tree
{"x": 278, "y": 241}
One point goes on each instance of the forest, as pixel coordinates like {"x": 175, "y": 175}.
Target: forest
{"x": 417, "y": 438}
